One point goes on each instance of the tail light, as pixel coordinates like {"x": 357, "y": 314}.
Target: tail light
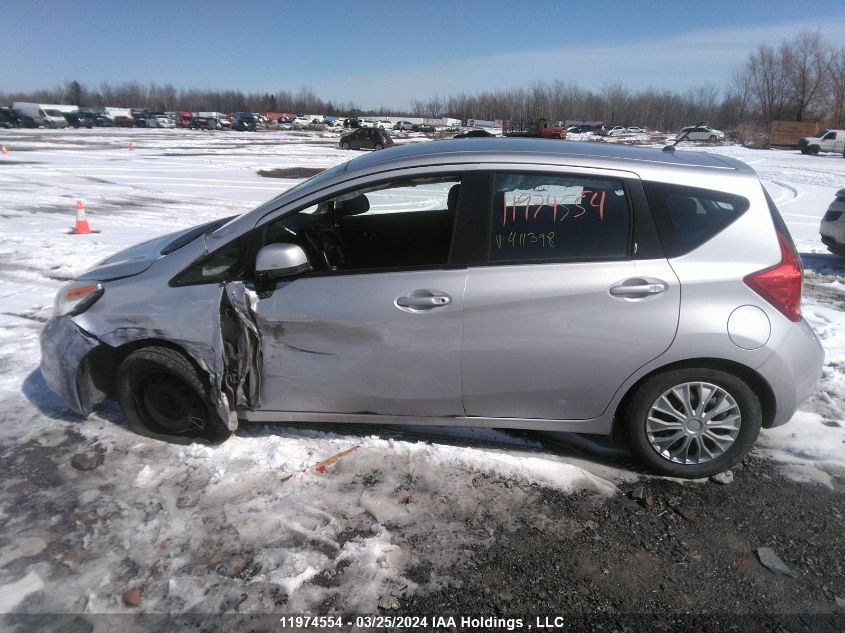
{"x": 781, "y": 284}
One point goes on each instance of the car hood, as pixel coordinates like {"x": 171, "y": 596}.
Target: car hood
{"x": 136, "y": 259}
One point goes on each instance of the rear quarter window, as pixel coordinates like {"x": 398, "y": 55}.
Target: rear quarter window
{"x": 687, "y": 217}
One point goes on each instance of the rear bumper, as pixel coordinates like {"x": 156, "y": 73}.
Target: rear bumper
{"x": 793, "y": 370}
{"x": 64, "y": 346}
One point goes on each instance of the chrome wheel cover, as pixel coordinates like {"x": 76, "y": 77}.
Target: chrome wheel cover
{"x": 693, "y": 423}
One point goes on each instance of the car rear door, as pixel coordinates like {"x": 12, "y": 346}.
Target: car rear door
{"x": 570, "y": 295}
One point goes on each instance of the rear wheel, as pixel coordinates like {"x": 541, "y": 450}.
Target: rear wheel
{"x": 163, "y": 397}
{"x": 692, "y": 422}
{"x": 712, "y": 138}
{"x": 378, "y": 146}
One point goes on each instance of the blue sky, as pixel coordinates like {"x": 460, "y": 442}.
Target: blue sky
{"x": 388, "y": 53}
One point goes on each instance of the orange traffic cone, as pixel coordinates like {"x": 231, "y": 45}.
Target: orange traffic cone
{"x": 130, "y": 147}
{"x": 81, "y": 227}
{"x": 4, "y": 151}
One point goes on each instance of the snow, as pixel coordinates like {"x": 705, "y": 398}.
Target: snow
{"x": 216, "y": 523}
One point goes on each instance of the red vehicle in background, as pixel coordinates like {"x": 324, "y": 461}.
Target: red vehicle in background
{"x": 538, "y": 129}
{"x": 183, "y": 119}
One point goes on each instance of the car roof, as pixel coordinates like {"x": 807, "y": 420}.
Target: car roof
{"x": 535, "y": 150}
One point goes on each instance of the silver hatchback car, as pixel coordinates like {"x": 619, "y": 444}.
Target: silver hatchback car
{"x": 516, "y": 283}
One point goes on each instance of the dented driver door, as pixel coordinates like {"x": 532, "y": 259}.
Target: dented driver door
{"x": 384, "y": 343}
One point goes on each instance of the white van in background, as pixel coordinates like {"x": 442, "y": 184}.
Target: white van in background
{"x": 43, "y": 115}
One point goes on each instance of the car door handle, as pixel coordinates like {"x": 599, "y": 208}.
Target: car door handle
{"x": 424, "y": 302}
{"x": 638, "y": 288}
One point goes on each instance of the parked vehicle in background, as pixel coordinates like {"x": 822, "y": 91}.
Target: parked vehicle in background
{"x": 55, "y": 119}
{"x": 352, "y": 123}
{"x": 301, "y": 121}
{"x": 9, "y": 118}
{"x": 139, "y": 117}
{"x": 581, "y": 129}
{"x": 384, "y": 125}
{"x": 403, "y": 125}
{"x": 34, "y": 112}
{"x": 79, "y": 119}
{"x": 701, "y": 133}
{"x": 183, "y": 119}
{"x": 826, "y": 141}
{"x": 617, "y": 130}
{"x": 567, "y": 318}
{"x": 538, "y": 129}
{"x": 832, "y": 229}
{"x": 199, "y": 123}
{"x": 161, "y": 120}
{"x": 366, "y": 138}
{"x": 636, "y": 130}
{"x": 475, "y": 134}
{"x": 245, "y": 122}
{"x": 422, "y": 127}
{"x": 220, "y": 123}
{"x": 124, "y": 121}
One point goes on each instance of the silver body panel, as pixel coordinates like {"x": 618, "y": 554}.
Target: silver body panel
{"x": 544, "y": 346}
{"x": 340, "y": 344}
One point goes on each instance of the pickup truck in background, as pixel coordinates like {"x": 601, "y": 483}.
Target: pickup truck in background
{"x": 537, "y": 129}
{"x": 826, "y": 141}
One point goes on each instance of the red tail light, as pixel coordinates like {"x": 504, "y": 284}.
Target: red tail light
{"x": 780, "y": 285}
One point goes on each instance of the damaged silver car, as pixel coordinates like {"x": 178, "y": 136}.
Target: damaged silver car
{"x": 511, "y": 283}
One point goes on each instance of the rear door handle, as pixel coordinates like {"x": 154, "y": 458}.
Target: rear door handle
{"x": 638, "y": 288}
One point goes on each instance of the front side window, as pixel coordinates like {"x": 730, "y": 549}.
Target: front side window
{"x": 402, "y": 224}
{"x": 539, "y": 217}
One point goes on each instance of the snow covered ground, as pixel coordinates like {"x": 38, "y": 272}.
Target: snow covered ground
{"x": 209, "y": 529}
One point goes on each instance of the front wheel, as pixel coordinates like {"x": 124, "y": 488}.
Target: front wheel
{"x": 712, "y": 138}
{"x": 163, "y": 397}
{"x": 692, "y": 422}
{"x": 345, "y": 145}
{"x": 813, "y": 149}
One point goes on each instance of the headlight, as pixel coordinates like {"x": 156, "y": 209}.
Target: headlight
{"x": 76, "y": 297}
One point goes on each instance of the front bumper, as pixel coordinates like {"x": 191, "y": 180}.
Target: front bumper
{"x": 64, "y": 346}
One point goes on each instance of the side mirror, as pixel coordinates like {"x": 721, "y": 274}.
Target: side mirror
{"x": 275, "y": 261}
{"x": 281, "y": 260}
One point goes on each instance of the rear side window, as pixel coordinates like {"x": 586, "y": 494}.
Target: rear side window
{"x": 548, "y": 217}
{"x": 687, "y": 217}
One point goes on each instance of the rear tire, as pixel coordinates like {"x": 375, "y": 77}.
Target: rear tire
{"x": 378, "y": 146}
{"x": 163, "y": 397}
{"x": 712, "y": 138}
{"x": 723, "y": 423}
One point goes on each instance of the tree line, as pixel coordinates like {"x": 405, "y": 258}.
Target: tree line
{"x": 800, "y": 79}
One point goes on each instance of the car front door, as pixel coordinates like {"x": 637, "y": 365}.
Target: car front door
{"x": 570, "y": 299}
{"x": 376, "y": 328}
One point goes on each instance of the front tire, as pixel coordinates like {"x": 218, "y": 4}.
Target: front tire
{"x": 345, "y": 145}
{"x": 813, "y": 149}
{"x": 163, "y": 397}
{"x": 692, "y": 423}
{"x": 712, "y": 138}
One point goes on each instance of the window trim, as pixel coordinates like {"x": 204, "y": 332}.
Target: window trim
{"x": 253, "y": 236}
